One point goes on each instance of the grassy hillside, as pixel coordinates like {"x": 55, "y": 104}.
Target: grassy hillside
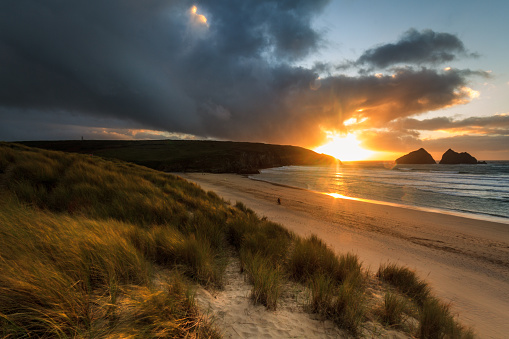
{"x": 96, "y": 248}
{"x": 193, "y": 155}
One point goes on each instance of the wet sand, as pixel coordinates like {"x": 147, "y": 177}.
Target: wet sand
{"x": 466, "y": 261}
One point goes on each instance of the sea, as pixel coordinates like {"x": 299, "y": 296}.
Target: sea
{"x": 474, "y": 191}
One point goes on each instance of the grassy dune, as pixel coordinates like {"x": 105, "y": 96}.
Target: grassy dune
{"x": 97, "y": 248}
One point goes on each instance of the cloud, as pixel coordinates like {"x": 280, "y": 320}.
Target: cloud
{"x": 152, "y": 62}
{"x": 414, "y": 47}
{"x": 470, "y": 143}
{"x": 390, "y": 140}
{"x": 378, "y": 100}
{"x": 444, "y": 123}
{"x": 483, "y": 147}
{"x": 222, "y": 69}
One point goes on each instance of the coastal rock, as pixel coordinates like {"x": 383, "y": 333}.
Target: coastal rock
{"x": 454, "y": 158}
{"x": 421, "y": 156}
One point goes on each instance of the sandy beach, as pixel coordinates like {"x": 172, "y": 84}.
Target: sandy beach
{"x": 466, "y": 261}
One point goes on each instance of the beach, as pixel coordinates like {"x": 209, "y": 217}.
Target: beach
{"x": 466, "y": 261}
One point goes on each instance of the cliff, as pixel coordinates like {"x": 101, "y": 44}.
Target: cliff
{"x": 194, "y": 155}
{"x": 421, "y": 156}
{"x": 451, "y": 157}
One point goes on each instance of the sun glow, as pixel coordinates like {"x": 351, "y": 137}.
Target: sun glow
{"x": 197, "y": 18}
{"x": 345, "y": 148}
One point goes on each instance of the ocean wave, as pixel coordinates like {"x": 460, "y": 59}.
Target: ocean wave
{"x": 459, "y": 188}
{"x": 447, "y": 172}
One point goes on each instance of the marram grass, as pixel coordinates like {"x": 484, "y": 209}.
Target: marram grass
{"x": 81, "y": 239}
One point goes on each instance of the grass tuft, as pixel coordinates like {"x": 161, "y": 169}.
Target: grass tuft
{"x": 393, "y": 310}
{"x": 240, "y": 206}
{"x": 405, "y": 280}
{"x": 436, "y": 321}
{"x": 348, "y": 309}
{"x": 265, "y": 277}
{"x": 311, "y": 256}
{"x": 322, "y": 291}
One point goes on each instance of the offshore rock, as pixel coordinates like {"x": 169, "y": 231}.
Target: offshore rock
{"x": 421, "y": 156}
{"x": 454, "y": 158}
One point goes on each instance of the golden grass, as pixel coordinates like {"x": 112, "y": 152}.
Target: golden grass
{"x": 80, "y": 236}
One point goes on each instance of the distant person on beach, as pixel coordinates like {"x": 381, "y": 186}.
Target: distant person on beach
{"x": 278, "y": 201}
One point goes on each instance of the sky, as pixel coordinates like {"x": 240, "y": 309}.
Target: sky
{"x": 355, "y": 78}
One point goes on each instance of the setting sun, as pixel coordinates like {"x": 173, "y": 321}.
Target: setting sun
{"x": 345, "y": 148}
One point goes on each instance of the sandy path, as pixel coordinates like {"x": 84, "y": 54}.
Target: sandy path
{"x": 233, "y": 312}
{"x": 466, "y": 261}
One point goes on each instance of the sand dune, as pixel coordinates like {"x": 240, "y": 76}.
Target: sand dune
{"x": 466, "y": 261}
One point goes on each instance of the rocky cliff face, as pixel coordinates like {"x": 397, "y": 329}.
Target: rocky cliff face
{"x": 421, "y": 156}
{"x": 454, "y": 158}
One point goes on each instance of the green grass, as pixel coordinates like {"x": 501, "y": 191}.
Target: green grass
{"x": 405, "y": 280}
{"x": 436, "y": 321}
{"x": 265, "y": 277}
{"x": 311, "y": 256}
{"x": 81, "y": 236}
{"x": 393, "y": 310}
{"x": 343, "y": 303}
{"x": 83, "y": 242}
{"x": 322, "y": 290}
{"x": 435, "y": 318}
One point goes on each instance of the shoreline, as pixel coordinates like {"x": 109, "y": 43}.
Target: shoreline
{"x": 468, "y": 215}
{"x": 466, "y": 261}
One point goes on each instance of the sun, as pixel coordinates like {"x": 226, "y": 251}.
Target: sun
{"x": 345, "y": 148}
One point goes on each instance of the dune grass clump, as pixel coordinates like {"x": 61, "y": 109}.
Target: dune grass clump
{"x": 436, "y": 321}
{"x": 311, "y": 256}
{"x": 263, "y": 248}
{"x": 342, "y": 303}
{"x": 336, "y": 283}
{"x": 435, "y": 318}
{"x": 265, "y": 277}
{"x": 240, "y": 205}
{"x": 238, "y": 227}
{"x": 350, "y": 269}
{"x": 322, "y": 291}
{"x": 170, "y": 313}
{"x": 405, "y": 280}
{"x": 393, "y": 310}
{"x": 348, "y": 308}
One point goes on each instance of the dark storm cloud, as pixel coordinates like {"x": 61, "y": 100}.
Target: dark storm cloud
{"x": 445, "y": 123}
{"x": 226, "y": 71}
{"x": 414, "y": 47}
{"x": 151, "y": 62}
{"x": 382, "y": 99}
